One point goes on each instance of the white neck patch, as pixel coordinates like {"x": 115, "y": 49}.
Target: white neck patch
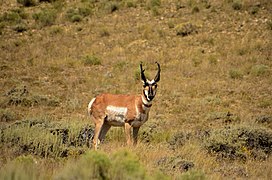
{"x": 145, "y": 101}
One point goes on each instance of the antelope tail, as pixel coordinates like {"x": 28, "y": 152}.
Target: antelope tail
{"x": 90, "y": 106}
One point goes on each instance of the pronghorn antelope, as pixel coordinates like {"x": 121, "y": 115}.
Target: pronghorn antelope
{"x": 129, "y": 111}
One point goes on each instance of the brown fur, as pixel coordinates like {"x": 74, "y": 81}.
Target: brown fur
{"x": 134, "y": 118}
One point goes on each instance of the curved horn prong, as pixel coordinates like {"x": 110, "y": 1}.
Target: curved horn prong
{"x": 142, "y": 73}
{"x": 157, "y": 78}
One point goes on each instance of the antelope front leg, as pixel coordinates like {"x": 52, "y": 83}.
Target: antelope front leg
{"x": 105, "y": 128}
{"x": 135, "y": 135}
{"x": 128, "y": 133}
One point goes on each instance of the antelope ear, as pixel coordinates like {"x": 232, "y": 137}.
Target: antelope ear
{"x": 157, "y": 78}
{"x": 143, "y": 78}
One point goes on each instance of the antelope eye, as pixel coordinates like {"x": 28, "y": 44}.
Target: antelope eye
{"x": 146, "y": 87}
{"x": 154, "y": 86}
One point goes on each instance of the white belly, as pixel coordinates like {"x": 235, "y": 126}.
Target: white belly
{"x": 116, "y": 116}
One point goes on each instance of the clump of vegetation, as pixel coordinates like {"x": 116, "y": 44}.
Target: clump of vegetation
{"x": 178, "y": 140}
{"x": 97, "y": 165}
{"x": 260, "y": 70}
{"x": 186, "y": 29}
{"x": 20, "y": 96}
{"x": 7, "y": 115}
{"x": 90, "y": 60}
{"x": 45, "y": 17}
{"x": 153, "y": 5}
{"x": 33, "y": 137}
{"x": 131, "y": 4}
{"x": 104, "y": 32}
{"x": 22, "y": 167}
{"x": 112, "y": 6}
{"x": 195, "y": 9}
{"x": 21, "y": 27}
{"x": 237, "y": 5}
{"x": 254, "y": 10}
{"x": 45, "y": 139}
{"x": 92, "y": 165}
{"x": 77, "y": 14}
{"x": 240, "y": 142}
{"x": 16, "y": 19}
{"x": 235, "y": 74}
{"x": 28, "y": 3}
{"x": 126, "y": 165}
{"x": 225, "y": 117}
{"x": 175, "y": 163}
{"x": 193, "y": 175}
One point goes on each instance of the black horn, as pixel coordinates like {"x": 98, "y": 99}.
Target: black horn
{"x": 142, "y": 73}
{"x": 157, "y": 78}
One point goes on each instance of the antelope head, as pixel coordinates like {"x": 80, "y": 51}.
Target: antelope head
{"x": 150, "y": 87}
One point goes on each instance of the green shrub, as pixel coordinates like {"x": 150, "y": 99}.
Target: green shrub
{"x": 7, "y": 115}
{"x": 195, "y": 9}
{"x": 226, "y": 117}
{"x": 46, "y": 17}
{"x": 126, "y": 165}
{"x": 20, "y": 96}
{"x": 23, "y": 167}
{"x": 130, "y": 3}
{"x": 90, "y": 60}
{"x": 84, "y": 11}
{"x": 193, "y": 175}
{"x": 186, "y": 29}
{"x": 92, "y": 165}
{"x": 77, "y": 14}
{"x": 240, "y": 142}
{"x": 46, "y": 139}
{"x": 171, "y": 24}
{"x": 235, "y": 74}
{"x": 56, "y": 30}
{"x": 21, "y": 27}
{"x": 112, "y": 6}
{"x": 212, "y": 59}
{"x": 104, "y": 32}
{"x": 260, "y": 70}
{"x": 153, "y": 5}
{"x": 27, "y": 3}
{"x": 237, "y": 5}
{"x": 254, "y": 10}
{"x": 97, "y": 165}
{"x": 11, "y": 17}
{"x": 76, "y": 18}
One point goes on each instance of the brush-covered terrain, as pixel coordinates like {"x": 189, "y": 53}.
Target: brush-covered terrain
{"x": 211, "y": 118}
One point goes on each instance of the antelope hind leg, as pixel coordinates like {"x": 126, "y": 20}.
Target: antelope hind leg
{"x": 98, "y": 127}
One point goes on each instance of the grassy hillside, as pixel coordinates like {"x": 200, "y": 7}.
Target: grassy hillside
{"x": 211, "y": 118}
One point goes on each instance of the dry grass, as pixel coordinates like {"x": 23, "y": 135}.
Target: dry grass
{"x": 216, "y": 74}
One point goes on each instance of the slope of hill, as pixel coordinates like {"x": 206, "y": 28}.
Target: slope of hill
{"x": 211, "y": 118}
